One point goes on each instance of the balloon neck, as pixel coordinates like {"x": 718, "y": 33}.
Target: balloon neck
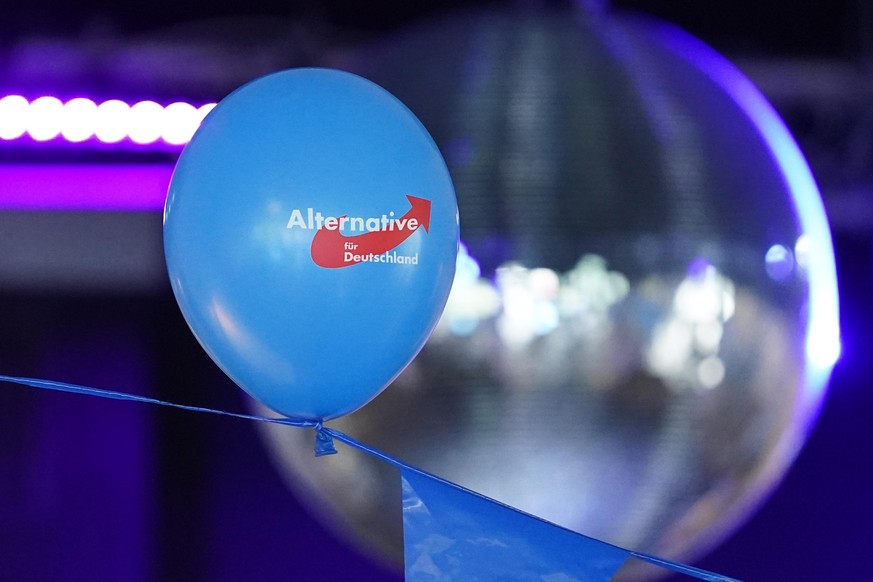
{"x": 323, "y": 442}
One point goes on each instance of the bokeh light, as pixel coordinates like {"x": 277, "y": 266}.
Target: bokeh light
{"x": 145, "y": 122}
{"x": 78, "y": 121}
{"x": 14, "y": 111}
{"x": 44, "y": 118}
{"x": 114, "y": 122}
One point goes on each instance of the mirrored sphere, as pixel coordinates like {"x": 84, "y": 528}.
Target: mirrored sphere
{"x": 644, "y": 315}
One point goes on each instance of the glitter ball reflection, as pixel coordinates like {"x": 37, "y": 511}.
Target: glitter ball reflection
{"x": 644, "y": 314}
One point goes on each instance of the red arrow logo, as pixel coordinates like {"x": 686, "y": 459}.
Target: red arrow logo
{"x": 332, "y": 249}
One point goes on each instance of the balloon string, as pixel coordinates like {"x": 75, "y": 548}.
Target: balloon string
{"x": 382, "y": 455}
{"x": 324, "y": 446}
{"x": 76, "y": 389}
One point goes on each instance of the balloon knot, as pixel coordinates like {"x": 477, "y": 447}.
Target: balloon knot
{"x": 323, "y": 441}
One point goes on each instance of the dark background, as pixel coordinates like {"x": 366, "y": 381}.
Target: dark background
{"x": 807, "y": 27}
{"x": 105, "y": 490}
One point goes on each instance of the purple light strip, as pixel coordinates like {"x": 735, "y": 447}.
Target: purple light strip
{"x": 85, "y": 122}
{"x": 116, "y": 187}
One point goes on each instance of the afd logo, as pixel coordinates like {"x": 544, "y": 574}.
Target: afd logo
{"x": 378, "y": 237}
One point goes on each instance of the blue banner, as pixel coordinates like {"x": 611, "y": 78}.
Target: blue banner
{"x": 453, "y": 534}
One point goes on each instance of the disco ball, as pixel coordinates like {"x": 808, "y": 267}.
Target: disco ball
{"x": 644, "y": 315}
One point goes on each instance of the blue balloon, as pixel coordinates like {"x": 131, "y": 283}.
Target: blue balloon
{"x": 310, "y": 233}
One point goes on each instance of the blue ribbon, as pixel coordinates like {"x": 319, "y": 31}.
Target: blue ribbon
{"x": 466, "y": 502}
